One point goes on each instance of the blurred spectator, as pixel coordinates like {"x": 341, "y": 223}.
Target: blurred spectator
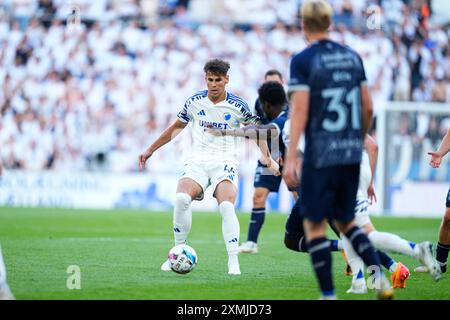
{"x": 89, "y": 98}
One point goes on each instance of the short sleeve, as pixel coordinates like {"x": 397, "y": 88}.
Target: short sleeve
{"x": 362, "y": 74}
{"x": 185, "y": 115}
{"x": 286, "y": 135}
{"x": 279, "y": 123}
{"x": 298, "y": 78}
{"x": 246, "y": 115}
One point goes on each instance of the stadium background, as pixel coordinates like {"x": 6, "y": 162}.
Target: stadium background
{"x": 85, "y": 86}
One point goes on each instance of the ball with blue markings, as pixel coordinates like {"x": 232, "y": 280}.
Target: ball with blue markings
{"x": 182, "y": 258}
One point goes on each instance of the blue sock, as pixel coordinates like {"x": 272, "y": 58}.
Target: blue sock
{"x": 442, "y": 255}
{"x": 256, "y": 222}
{"x": 334, "y": 245}
{"x": 320, "y": 252}
{"x": 363, "y": 247}
{"x": 385, "y": 260}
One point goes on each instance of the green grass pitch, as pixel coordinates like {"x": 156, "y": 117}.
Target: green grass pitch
{"x": 120, "y": 252}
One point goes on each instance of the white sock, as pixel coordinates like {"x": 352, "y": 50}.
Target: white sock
{"x": 340, "y": 245}
{"x": 230, "y": 229}
{"x": 2, "y": 270}
{"x": 182, "y": 217}
{"x": 392, "y": 242}
{"x": 393, "y": 267}
{"x": 354, "y": 260}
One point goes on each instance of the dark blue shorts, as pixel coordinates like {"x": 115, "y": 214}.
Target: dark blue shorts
{"x": 447, "y": 203}
{"x": 294, "y": 223}
{"x": 329, "y": 193}
{"x": 264, "y": 179}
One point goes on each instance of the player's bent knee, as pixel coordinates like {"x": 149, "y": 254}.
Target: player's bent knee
{"x": 182, "y": 200}
{"x": 291, "y": 243}
{"x": 296, "y": 244}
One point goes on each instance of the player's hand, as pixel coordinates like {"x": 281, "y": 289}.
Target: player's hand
{"x": 371, "y": 194}
{"x": 436, "y": 159}
{"x": 272, "y": 165}
{"x": 290, "y": 174}
{"x": 143, "y": 157}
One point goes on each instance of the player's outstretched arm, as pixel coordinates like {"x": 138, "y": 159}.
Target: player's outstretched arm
{"x": 259, "y": 133}
{"x": 371, "y": 147}
{"x": 252, "y": 131}
{"x": 170, "y": 133}
{"x": 267, "y": 159}
{"x": 367, "y": 109}
{"x": 444, "y": 148}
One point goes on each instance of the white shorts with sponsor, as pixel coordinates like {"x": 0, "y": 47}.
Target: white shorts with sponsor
{"x": 211, "y": 174}
{"x": 361, "y": 212}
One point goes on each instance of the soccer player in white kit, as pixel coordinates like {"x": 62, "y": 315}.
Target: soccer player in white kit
{"x": 423, "y": 251}
{"x": 213, "y": 159}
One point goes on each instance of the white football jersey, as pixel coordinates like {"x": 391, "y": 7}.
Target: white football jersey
{"x": 227, "y": 114}
{"x": 286, "y": 135}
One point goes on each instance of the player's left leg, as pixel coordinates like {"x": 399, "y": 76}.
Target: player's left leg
{"x": 225, "y": 193}
{"x": 256, "y": 221}
{"x": 294, "y": 237}
{"x": 5, "y": 292}
{"x": 347, "y": 179}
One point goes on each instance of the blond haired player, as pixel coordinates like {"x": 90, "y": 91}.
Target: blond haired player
{"x": 331, "y": 105}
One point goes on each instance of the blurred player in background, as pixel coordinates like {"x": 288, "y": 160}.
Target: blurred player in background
{"x": 5, "y": 292}
{"x": 328, "y": 85}
{"x": 443, "y": 245}
{"x": 270, "y": 75}
{"x": 213, "y": 160}
{"x": 387, "y": 241}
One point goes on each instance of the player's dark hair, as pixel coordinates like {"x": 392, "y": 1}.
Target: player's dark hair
{"x": 272, "y": 93}
{"x": 273, "y": 72}
{"x": 217, "y": 66}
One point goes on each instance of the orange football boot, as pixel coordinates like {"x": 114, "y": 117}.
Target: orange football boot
{"x": 399, "y": 276}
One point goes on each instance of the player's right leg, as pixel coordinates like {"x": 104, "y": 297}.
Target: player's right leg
{"x": 5, "y": 292}
{"x": 443, "y": 246}
{"x": 423, "y": 251}
{"x": 190, "y": 187}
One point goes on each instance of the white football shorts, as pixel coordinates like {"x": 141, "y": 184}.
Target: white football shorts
{"x": 211, "y": 174}
{"x": 361, "y": 212}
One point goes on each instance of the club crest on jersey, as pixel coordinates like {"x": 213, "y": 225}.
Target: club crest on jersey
{"x": 227, "y": 116}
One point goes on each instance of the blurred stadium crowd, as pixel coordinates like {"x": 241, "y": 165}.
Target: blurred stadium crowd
{"x": 89, "y": 86}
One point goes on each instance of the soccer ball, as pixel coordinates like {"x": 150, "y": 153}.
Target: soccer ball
{"x": 182, "y": 258}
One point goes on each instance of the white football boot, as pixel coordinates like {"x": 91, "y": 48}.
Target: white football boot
{"x": 358, "y": 286}
{"x": 233, "y": 265}
{"x": 248, "y": 247}
{"x": 426, "y": 257}
{"x": 166, "y": 266}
